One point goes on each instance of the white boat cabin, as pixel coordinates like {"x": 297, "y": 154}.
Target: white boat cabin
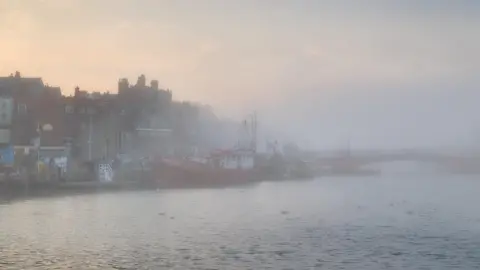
{"x": 234, "y": 159}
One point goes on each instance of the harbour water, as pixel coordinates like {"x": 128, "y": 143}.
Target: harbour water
{"x": 401, "y": 221}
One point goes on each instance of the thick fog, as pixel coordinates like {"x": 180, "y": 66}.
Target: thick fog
{"x": 325, "y": 74}
{"x": 441, "y": 117}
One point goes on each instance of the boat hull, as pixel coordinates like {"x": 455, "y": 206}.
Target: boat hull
{"x": 198, "y": 176}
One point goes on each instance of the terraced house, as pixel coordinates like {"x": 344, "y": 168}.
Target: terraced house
{"x": 92, "y": 127}
{"x": 86, "y": 126}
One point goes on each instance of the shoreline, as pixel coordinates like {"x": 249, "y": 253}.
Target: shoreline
{"x": 18, "y": 191}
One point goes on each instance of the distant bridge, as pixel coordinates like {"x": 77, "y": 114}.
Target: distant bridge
{"x": 453, "y": 161}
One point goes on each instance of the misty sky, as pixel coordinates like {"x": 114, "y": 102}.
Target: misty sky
{"x": 380, "y": 73}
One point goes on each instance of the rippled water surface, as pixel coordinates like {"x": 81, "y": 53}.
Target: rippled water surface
{"x": 407, "y": 222}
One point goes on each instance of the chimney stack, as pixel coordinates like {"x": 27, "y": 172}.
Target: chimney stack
{"x": 154, "y": 84}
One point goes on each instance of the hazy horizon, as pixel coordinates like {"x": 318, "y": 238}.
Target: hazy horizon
{"x": 378, "y": 74}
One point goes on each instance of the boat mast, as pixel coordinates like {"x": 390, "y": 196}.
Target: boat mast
{"x": 254, "y": 132}
{"x": 248, "y": 133}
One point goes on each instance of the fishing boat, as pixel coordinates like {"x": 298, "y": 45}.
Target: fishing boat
{"x": 221, "y": 167}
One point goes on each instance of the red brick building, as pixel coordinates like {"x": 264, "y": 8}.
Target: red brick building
{"x": 93, "y": 125}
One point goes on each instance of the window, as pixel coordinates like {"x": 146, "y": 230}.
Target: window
{"x": 22, "y": 108}
{"x": 69, "y": 109}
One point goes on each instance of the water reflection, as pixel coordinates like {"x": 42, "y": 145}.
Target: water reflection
{"x": 364, "y": 223}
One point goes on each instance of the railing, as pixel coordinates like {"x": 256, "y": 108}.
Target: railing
{"x": 105, "y": 172}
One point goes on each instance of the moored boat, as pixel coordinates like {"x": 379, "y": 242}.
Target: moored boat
{"x": 221, "y": 168}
